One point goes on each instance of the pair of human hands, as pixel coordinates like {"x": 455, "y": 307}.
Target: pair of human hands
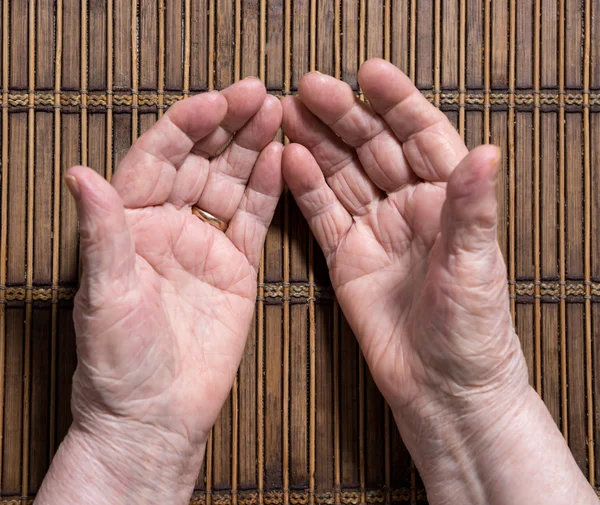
{"x": 406, "y": 218}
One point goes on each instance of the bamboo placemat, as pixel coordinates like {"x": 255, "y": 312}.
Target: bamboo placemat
{"x": 81, "y": 79}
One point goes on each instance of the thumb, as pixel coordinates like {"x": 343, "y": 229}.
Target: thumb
{"x": 107, "y": 248}
{"x": 469, "y": 215}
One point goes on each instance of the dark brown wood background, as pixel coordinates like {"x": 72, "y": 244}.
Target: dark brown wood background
{"x": 82, "y": 78}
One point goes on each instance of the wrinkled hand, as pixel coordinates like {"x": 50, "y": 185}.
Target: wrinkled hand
{"x": 166, "y": 300}
{"x": 406, "y": 218}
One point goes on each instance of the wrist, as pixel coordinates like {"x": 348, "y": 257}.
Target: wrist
{"x": 122, "y": 464}
{"x": 496, "y": 450}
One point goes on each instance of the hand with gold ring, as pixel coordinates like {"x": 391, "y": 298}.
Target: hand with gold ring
{"x": 170, "y": 256}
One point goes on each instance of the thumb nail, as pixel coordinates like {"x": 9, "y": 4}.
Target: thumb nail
{"x": 73, "y": 186}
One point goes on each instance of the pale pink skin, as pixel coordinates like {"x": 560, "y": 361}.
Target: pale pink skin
{"x": 406, "y": 218}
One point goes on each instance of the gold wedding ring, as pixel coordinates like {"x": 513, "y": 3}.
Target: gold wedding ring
{"x": 209, "y": 218}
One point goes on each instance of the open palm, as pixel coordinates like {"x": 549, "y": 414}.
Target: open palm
{"x": 406, "y": 218}
{"x": 166, "y": 299}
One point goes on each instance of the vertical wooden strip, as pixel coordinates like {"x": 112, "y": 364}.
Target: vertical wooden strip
{"x": 536, "y": 196}
{"x": 400, "y": 33}
{"x": 211, "y": 44}
{"x": 161, "y": 58}
{"x": 413, "y": 40}
{"x": 134, "y": 70}
{"x": 413, "y": 76}
{"x": 511, "y": 156}
{"x": 208, "y": 460}
{"x": 387, "y": 424}
{"x": 437, "y": 57}
{"x": 55, "y": 225}
{"x": 362, "y": 35}
{"x": 287, "y": 49}
{"x": 84, "y": 83}
{"x": 187, "y": 44}
{"x": 4, "y": 217}
{"x": 261, "y": 307}
{"x": 561, "y": 219}
{"x": 387, "y": 30}
{"x": 238, "y": 41}
{"x": 109, "y": 91}
{"x": 336, "y": 310}
{"x": 29, "y": 251}
{"x": 588, "y": 242}
{"x": 311, "y": 301}
{"x": 235, "y": 453}
{"x": 487, "y": 29}
{"x": 462, "y": 72}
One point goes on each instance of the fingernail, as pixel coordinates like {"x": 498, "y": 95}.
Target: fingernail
{"x": 73, "y": 186}
{"x": 498, "y": 156}
{"x": 316, "y": 72}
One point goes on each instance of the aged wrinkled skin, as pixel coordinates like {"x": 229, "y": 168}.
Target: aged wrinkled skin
{"x": 406, "y": 218}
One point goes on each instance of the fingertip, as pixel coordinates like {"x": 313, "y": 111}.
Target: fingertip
{"x": 300, "y": 170}
{"x": 267, "y": 177}
{"x": 273, "y": 106}
{"x": 477, "y": 172}
{"x": 373, "y": 69}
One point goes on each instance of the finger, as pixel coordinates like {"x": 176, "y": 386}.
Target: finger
{"x": 326, "y": 216}
{"x": 107, "y": 249}
{"x": 146, "y": 174}
{"x": 250, "y": 222}
{"x": 430, "y": 143}
{"x": 470, "y": 211}
{"x": 229, "y": 172}
{"x": 244, "y": 99}
{"x": 378, "y": 149}
{"x": 338, "y": 161}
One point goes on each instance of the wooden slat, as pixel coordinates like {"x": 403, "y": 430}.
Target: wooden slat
{"x": 587, "y": 267}
{"x": 4, "y": 218}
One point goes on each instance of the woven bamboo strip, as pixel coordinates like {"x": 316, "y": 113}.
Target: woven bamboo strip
{"x": 275, "y": 497}
{"x": 550, "y": 292}
{"x": 536, "y": 198}
{"x": 450, "y": 99}
{"x": 561, "y": 206}
{"x": 587, "y": 244}
{"x": 109, "y": 85}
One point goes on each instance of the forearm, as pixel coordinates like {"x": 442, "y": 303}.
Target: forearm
{"x": 121, "y": 468}
{"x": 518, "y": 457}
